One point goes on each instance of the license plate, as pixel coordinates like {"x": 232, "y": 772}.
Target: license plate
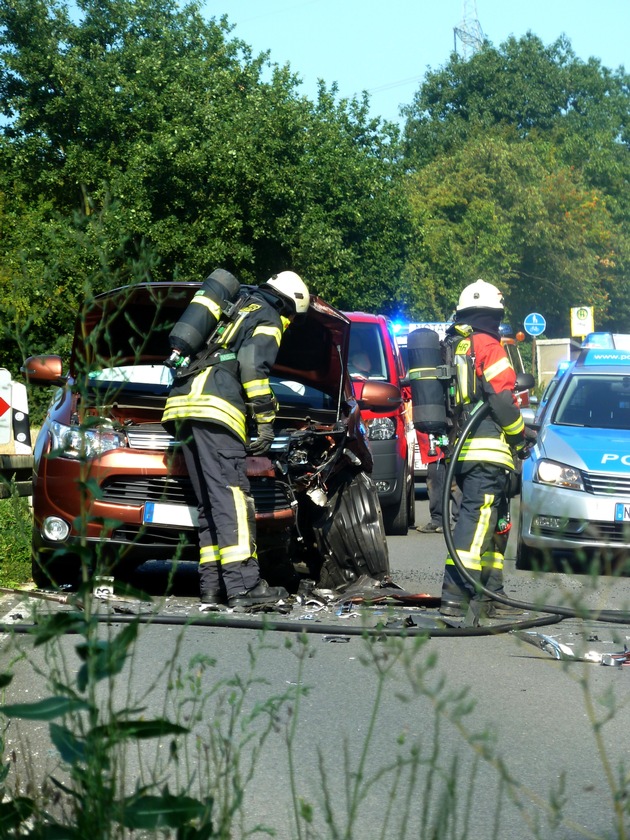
{"x": 160, "y": 513}
{"x": 622, "y": 512}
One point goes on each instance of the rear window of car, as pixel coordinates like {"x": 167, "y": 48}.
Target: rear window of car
{"x": 367, "y": 357}
{"x": 601, "y": 402}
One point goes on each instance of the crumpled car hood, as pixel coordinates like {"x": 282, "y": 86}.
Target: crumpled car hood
{"x": 131, "y": 324}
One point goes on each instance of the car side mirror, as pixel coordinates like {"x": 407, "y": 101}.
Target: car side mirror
{"x": 44, "y": 370}
{"x": 524, "y": 382}
{"x": 380, "y": 397}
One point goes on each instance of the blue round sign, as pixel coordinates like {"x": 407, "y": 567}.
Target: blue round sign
{"x": 534, "y": 324}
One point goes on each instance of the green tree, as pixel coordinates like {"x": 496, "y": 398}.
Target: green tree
{"x": 142, "y": 138}
{"x": 518, "y": 164}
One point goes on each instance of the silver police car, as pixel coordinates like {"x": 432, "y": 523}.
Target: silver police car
{"x": 575, "y": 492}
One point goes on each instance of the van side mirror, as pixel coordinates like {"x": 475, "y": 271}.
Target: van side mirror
{"x": 524, "y": 382}
{"x": 44, "y": 370}
{"x": 380, "y": 396}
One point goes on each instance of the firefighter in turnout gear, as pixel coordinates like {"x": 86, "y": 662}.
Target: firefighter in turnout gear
{"x": 208, "y": 411}
{"x": 486, "y": 461}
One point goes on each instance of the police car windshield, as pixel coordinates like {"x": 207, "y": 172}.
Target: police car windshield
{"x": 601, "y": 402}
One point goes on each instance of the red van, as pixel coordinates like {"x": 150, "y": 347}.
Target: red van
{"x": 374, "y": 356}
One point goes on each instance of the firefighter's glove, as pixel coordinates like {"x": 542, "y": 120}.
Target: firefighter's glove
{"x": 262, "y": 444}
{"x": 523, "y": 449}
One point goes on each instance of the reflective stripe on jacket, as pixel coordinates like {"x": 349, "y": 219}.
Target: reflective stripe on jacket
{"x": 219, "y": 393}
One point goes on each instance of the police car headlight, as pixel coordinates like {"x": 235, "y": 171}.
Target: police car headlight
{"x": 78, "y": 443}
{"x": 558, "y": 475}
{"x": 381, "y": 428}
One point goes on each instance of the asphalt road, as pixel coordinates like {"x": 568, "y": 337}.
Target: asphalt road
{"x": 391, "y": 736}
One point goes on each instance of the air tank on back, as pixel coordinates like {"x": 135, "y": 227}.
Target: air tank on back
{"x": 428, "y": 393}
{"x": 203, "y": 312}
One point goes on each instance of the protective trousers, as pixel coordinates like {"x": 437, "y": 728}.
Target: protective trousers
{"x": 215, "y": 459}
{"x": 484, "y": 499}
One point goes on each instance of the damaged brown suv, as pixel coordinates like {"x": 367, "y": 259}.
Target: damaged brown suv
{"x": 110, "y": 487}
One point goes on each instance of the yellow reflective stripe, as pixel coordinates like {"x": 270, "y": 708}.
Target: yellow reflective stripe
{"x": 210, "y": 304}
{"x": 209, "y": 554}
{"x": 492, "y": 450}
{"x": 257, "y": 388}
{"x": 496, "y": 369}
{"x": 422, "y": 373}
{"x": 232, "y": 328}
{"x": 492, "y": 559}
{"x": 482, "y": 525}
{"x": 242, "y": 550}
{"x": 515, "y": 427}
{"x": 210, "y": 409}
{"x": 273, "y": 332}
{"x": 468, "y": 561}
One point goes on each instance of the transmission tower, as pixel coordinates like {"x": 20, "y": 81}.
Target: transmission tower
{"x": 469, "y": 32}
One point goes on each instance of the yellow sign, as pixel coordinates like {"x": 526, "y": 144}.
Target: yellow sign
{"x": 582, "y": 322}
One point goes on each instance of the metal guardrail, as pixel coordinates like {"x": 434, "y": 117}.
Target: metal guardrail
{"x": 16, "y": 475}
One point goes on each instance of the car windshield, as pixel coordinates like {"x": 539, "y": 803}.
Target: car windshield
{"x": 601, "y": 402}
{"x": 142, "y": 379}
{"x": 157, "y": 379}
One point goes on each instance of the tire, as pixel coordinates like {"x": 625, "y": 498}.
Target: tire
{"x": 412, "y": 502}
{"x": 396, "y": 517}
{"x": 351, "y": 535}
{"x": 50, "y": 569}
{"x": 530, "y": 559}
{"x": 49, "y": 573}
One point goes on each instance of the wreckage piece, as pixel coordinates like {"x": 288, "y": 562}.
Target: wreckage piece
{"x": 558, "y": 650}
{"x": 350, "y": 535}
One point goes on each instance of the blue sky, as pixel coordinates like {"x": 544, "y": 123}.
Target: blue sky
{"x": 387, "y": 48}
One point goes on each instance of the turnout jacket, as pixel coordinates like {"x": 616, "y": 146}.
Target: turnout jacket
{"x": 236, "y": 374}
{"x": 504, "y": 428}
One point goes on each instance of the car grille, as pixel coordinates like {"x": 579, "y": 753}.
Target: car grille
{"x": 601, "y": 484}
{"x": 269, "y": 495}
{"x": 150, "y": 436}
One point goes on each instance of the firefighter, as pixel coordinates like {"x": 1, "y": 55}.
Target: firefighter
{"x": 486, "y": 461}
{"x": 208, "y": 412}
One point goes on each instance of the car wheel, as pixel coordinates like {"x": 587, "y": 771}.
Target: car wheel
{"x": 530, "y": 559}
{"x": 412, "y": 503}
{"x": 49, "y": 572}
{"x": 351, "y": 535}
{"x": 396, "y": 517}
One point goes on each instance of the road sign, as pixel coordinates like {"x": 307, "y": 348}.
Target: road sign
{"x": 5, "y": 406}
{"x": 534, "y": 324}
{"x": 582, "y": 321}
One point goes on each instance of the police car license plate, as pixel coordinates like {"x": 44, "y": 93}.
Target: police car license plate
{"x": 160, "y": 513}
{"x": 622, "y": 512}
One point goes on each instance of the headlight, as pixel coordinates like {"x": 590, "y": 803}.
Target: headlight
{"x": 559, "y": 475}
{"x": 381, "y": 428}
{"x": 84, "y": 444}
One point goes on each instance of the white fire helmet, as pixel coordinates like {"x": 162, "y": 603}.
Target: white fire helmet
{"x": 480, "y": 295}
{"x": 290, "y": 285}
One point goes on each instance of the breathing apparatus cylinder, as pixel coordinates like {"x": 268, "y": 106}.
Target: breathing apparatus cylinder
{"x": 428, "y": 391}
{"x": 203, "y": 312}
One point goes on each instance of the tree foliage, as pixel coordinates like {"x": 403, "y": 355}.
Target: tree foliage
{"x": 518, "y": 172}
{"x": 143, "y": 141}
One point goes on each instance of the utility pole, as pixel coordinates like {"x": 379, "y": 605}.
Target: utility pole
{"x": 469, "y": 32}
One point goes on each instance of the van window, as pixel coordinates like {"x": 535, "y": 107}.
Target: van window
{"x": 367, "y": 359}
